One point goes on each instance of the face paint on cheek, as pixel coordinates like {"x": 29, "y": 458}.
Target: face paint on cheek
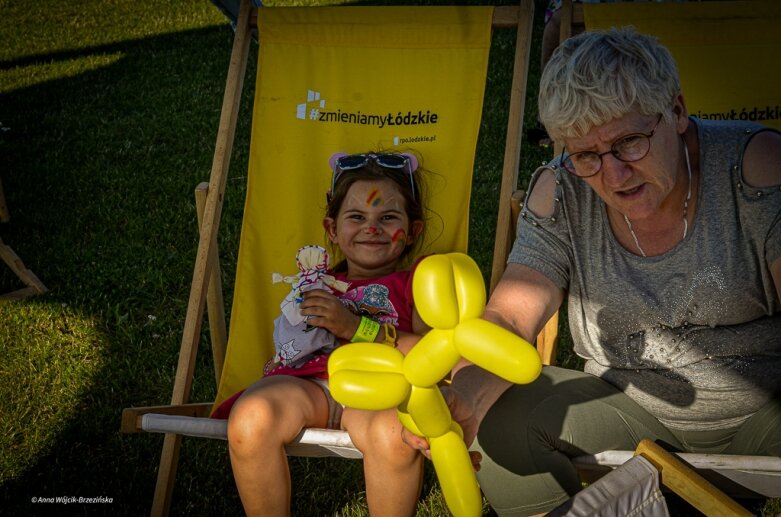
{"x": 374, "y": 198}
{"x": 399, "y": 235}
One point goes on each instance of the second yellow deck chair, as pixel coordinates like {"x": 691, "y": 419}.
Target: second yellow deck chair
{"x": 723, "y": 50}
{"x": 333, "y": 79}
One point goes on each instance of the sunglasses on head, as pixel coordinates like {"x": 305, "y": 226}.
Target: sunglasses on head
{"x": 341, "y": 162}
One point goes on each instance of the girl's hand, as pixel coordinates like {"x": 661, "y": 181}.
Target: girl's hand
{"x": 326, "y": 311}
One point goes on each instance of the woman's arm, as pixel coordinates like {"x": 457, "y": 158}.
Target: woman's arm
{"x": 523, "y": 301}
{"x": 761, "y": 169}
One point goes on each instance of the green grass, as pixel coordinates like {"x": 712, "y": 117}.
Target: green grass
{"x": 108, "y": 116}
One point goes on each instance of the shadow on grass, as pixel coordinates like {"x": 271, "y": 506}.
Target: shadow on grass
{"x": 98, "y": 172}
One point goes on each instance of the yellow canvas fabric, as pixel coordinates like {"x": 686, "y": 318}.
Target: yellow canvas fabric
{"x": 349, "y": 79}
{"x": 727, "y": 52}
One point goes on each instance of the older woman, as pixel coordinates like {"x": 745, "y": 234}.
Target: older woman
{"x": 664, "y": 234}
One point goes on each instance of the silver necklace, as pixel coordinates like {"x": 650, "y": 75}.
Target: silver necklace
{"x": 685, "y": 203}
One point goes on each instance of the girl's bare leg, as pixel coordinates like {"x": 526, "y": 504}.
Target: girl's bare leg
{"x": 268, "y": 415}
{"x": 393, "y": 470}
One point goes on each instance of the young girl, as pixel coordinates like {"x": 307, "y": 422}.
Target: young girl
{"x": 374, "y": 218}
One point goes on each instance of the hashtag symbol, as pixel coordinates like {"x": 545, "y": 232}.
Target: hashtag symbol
{"x": 314, "y": 113}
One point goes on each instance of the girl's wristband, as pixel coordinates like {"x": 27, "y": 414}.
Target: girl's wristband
{"x": 366, "y": 332}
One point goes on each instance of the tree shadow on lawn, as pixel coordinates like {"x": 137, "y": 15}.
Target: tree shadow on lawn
{"x": 99, "y": 171}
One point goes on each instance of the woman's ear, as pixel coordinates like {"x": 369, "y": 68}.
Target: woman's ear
{"x": 681, "y": 114}
{"x": 330, "y": 228}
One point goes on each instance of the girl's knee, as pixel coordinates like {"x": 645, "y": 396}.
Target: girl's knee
{"x": 250, "y": 420}
{"x": 383, "y": 438}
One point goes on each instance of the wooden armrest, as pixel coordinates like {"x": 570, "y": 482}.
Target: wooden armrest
{"x": 131, "y": 416}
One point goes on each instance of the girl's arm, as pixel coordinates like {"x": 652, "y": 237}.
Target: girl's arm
{"x": 405, "y": 341}
{"x": 328, "y": 312}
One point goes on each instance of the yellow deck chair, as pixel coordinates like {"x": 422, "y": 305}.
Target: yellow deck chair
{"x": 331, "y": 79}
{"x": 722, "y": 49}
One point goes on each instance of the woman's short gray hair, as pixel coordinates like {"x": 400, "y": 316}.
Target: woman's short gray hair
{"x": 600, "y": 76}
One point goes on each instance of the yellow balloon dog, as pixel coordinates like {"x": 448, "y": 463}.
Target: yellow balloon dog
{"x": 449, "y": 295}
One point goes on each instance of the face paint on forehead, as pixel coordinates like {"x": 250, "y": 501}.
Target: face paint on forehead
{"x": 374, "y": 198}
{"x": 382, "y": 194}
{"x": 374, "y": 195}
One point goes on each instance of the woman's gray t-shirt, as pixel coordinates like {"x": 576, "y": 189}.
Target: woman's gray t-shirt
{"x": 693, "y": 335}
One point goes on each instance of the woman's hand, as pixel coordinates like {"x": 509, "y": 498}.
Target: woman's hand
{"x": 464, "y": 414}
{"x": 326, "y": 311}
{"x": 462, "y": 411}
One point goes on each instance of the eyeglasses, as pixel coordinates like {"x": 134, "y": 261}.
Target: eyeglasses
{"x": 387, "y": 160}
{"x": 628, "y": 148}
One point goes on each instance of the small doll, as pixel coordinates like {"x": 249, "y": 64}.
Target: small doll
{"x": 294, "y": 339}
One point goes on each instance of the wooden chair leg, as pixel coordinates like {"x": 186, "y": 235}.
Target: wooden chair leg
{"x": 215, "y": 303}
{"x": 547, "y": 340}
{"x": 5, "y": 216}
{"x": 512, "y": 149}
{"x": 166, "y": 475}
{"x": 185, "y": 369}
{"x": 33, "y": 283}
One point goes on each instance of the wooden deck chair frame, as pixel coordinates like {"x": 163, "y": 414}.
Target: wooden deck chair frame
{"x": 741, "y": 476}
{"x": 639, "y": 482}
{"x": 206, "y": 284}
{"x": 9, "y": 256}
